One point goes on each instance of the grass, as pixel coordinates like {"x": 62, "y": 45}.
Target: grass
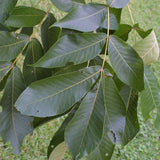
{"x": 146, "y": 145}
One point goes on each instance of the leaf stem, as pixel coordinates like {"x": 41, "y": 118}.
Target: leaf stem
{"x": 133, "y": 23}
{"x": 107, "y": 40}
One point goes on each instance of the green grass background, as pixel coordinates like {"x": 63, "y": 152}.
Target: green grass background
{"x": 146, "y": 145}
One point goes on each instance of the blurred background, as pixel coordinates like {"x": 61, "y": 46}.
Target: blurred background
{"x": 146, "y": 145}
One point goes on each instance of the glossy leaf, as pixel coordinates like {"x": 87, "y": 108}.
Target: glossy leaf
{"x": 126, "y": 63}
{"x": 6, "y": 7}
{"x": 123, "y": 31}
{"x": 11, "y": 45}
{"x": 67, "y": 5}
{"x": 117, "y": 3}
{"x": 130, "y": 98}
{"x": 150, "y": 97}
{"x": 49, "y": 35}
{"x": 14, "y": 126}
{"x": 84, "y": 131}
{"x": 44, "y": 98}
{"x": 23, "y": 16}
{"x": 75, "y": 48}
{"x": 58, "y": 137}
{"x": 105, "y": 148}
{"x": 148, "y": 48}
{"x": 33, "y": 53}
{"x": 87, "y": 18}
{"x": 115, "y": 109}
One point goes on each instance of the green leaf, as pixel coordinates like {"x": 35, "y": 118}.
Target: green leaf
{"x": 117, "y": 3}
{"x": 87, "y": 18}
{"x": 6, "y": 6}
{"x": 130, "y": 98}
{"x": 4, "y": 71}
{"x": 148, "y": 48}
{"x": 44, "y": 98}
{"x": 23, "y": 16}
{"x": 58, "y": 137}
{"x": 142, "y": 32}
{"x": 126, "y": 63}
{"x": 150, "y": 97}
{"x": 14, "y": 126}
{"x": 84, "y": 131}
{"x": 115, "y": 109}
{"x": 11, "y": 45}
{"x": 49, "y": 35}
{"x": 27, "y": 30}
{"x": 105, "y": 148}
{"x": 123, "y": 31}
{"x": 33, "y": 53}
{"x": 67, "y": 5}
{"x": 75, "y": 48}
{"x": 58, "y": 152}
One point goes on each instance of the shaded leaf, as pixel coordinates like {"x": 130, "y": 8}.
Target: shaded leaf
{"x": 87, "y": 18}
{"x": 23, "y": 16}
{"x": 115, "y": 110}
{"x": 126, "y": 63}
{"x": 75, "y": 48}
{"x": 84, "y": 131}
{"x": 150, "y": 97}
{"x": 6, "y": 6}
{"x": 148, "y": 48}
{"x": 33, "y": 53}
{"x": 123, "y": 31}
{"x": 130, "y": 98}
{"x": 67, "y": 5}
{"x": 44, "y": 98}
{"x": 4, "y": 69}
{"x": 105, "y": 148}
{"x": 49, "y": 35}
{"x": 27, "y": 30}
{"x": 58, "y": 137}
{"x": 11, "y": 45}
{"x": 14, "y": 126}
{"x": 142, "y": 32}
{"x": 117, "y": 3}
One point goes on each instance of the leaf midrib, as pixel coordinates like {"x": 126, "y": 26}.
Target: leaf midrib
{"x": 64, "y": 89}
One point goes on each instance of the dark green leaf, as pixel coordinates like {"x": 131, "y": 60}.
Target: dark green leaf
{"x": 25, "y": 17}
{"x": 84, "y": 131}
{"x": 56, "y": 94}
{"x": 59, "y": 135}
{"x": 14, "y": 126}
{"x": 11, "y": 45}
{"x": 27, "y": 30}
{"x": 33, "y": 53}
{"x": 123, "y": 31}
{"x": 117, "y": 3}
{"x": 4, "y": 71}
{"x": 115, "y": 109}
{"x": 67, "y": 5}
{"x": 126, "y": 63}
{"x": 150, "y": 97}
{"x": 75, "y": 48}
{"x": 87, "y": 18}
{"x": 49, "y": 35}
{"x": 105, "y": 148}
{"x": 130, "y": 98}
{"x": 141, "y": 32}
{"x": 6, "y": 6}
